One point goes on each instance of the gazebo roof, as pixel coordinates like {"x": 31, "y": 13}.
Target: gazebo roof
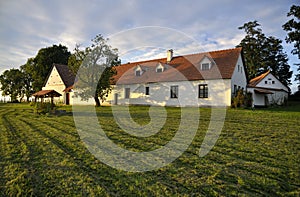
{"x": 47, "y": 93}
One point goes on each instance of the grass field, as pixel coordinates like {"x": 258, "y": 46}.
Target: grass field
{"x": 257, "y": 154}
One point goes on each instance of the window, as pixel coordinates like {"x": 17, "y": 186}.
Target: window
{"x": 273, "y": 82}
{"x": 174, "y": 91}
{"x": 234, "y": 89}
{"x": 266, "y": 82}
{"x": 205, "y": 66}
{"x": 238, "y": 68}
{"x": 137, "y": 73}
{"x": 127, "y": 92}
{"x": 159, "y": 70}
{"x": 147, "y": 90}
{"x": 203, "y": 91}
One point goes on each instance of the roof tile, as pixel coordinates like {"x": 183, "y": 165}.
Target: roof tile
{"x": 180, "y": 68}
{"x": 253, "y": 82}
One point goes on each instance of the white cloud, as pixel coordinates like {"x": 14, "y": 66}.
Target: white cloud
{"x": 27, "y": 26}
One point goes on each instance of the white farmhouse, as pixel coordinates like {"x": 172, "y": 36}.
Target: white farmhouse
{"x": 202, "y": 79}
{"x": 266, "y": 89}
{"x": 59, "y": 78}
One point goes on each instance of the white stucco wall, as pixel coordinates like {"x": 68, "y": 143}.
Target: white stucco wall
{"x": 270, "y": 78}
{"x": 239, "y": 76}
{"x": 219, "y": 94}
{"x": 278, "y": 97}
{"x": 271, "y": 84}
{"x": 55, "y": 82}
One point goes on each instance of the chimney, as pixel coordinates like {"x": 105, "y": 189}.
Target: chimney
{"x": 169, "y": 55}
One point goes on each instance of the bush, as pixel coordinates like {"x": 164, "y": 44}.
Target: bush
{"x": 242, "y": 99}
{"x": 42, "y": 108}
{"x": 238, "y": 100}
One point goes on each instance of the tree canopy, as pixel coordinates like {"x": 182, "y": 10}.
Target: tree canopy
{"x": 40, "y": 66}
{"x": 12, "y": 83}
{"x": 292, "y": 27}
{"x": 264, "y": 53}
{"x": 94, "y": 69}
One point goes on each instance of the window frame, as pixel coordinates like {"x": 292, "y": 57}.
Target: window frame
{"x": 147, "y": 90}
{"x": 127, "y": 93}
{"x": 206, "y": 64}
{"x": 203, "y": 91}
{"x": 159, "y": 70}
{"x": 174, "y": 91}
{"x": 138, "y": 71}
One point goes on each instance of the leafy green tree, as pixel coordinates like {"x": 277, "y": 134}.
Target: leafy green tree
{"x": 26, "y": 69}
{"x": 43, "y": 61}
{"x": 98, "y": 58}
{"x": 12, "y": 84}
{"x": 264, "y": 53}
{"x": 293, "y": 34}
{"x": 276, "y": 60}
{"x": 253, "y": 48}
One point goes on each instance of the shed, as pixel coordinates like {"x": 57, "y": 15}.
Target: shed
{"x": 46, "y": 94}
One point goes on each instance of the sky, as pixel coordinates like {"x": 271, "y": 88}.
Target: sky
{"x": 140, "y": 29}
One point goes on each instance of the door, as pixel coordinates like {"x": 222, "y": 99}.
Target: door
{"x": 67, "y": 98}
{"x": 266, "y": 101}
{"x": 116, "y": 99}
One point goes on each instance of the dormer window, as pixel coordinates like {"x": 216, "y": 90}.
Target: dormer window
{"x": 206, "y": 63}
{"x": 137, "y": 73}
{"x": 160, "y": 68}
{"x": 205, "y": 66}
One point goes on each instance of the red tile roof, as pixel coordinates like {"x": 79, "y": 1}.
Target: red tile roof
{"x": 262, "y": 91}
{"x": 47, "y": 93}
{"x": 180, "y": 68}
{"x": 253, "y": 82}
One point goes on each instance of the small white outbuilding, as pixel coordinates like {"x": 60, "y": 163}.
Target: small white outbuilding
{"x": 266, "y": 89}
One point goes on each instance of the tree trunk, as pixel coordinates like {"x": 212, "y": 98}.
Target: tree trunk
{"x": 97, "y": 101}
{"x": 27, "y": 97}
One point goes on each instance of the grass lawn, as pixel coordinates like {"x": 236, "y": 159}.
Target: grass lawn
{"x": 257, "y": 154}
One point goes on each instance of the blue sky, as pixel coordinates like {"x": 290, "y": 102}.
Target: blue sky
{"x": 139, "y": 29}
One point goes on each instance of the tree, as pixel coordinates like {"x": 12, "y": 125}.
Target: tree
{"x": 264, "y": 53}
{"x": 42, "y": 63}
{"x": 276, "y": 60}
{"x": 12, "y": 83}
{"x": 293, "y": 34}
{"x": 253, "y": 48}
{"x": 26, "y": 69}
{"x": 87, "y": 65}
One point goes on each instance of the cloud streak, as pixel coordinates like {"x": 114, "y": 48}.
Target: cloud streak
{"x": 27, "y": 26}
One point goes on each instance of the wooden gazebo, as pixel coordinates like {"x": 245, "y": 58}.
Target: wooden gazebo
{"x": 46, "y": 94}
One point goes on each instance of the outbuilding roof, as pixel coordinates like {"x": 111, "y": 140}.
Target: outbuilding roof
{"x": 47, "y": 93}
{"x": 253, "y": 82}
{"x": 181, "y": 68}
{"x": 66, "y": 75}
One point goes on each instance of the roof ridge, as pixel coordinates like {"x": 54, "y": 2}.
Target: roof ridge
{"x": 261, "y": 76}
{"x": 253, "y": 82}
{"x": 144, "y": 61}
{"x": 157, "y": 59}
{"x": 222, "y": 50}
